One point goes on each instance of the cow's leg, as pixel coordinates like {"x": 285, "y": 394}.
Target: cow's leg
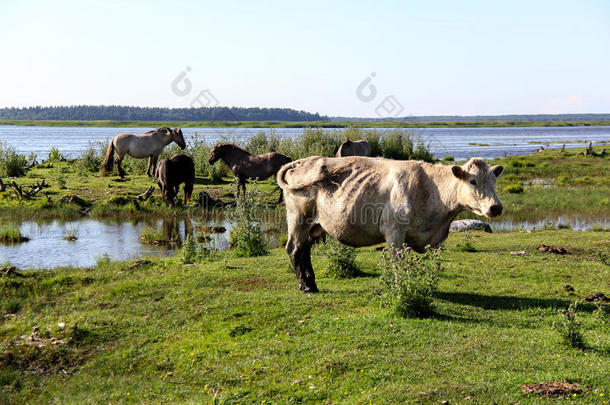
{"x": 299, "y": 251}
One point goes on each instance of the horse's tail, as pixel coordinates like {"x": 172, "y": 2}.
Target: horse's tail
{"x": 107, "y": 164}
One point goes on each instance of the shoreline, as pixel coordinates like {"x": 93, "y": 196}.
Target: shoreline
{"x": 307, "y": 124}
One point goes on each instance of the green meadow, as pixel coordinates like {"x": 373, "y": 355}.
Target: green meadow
{"x": 232, "y": 330}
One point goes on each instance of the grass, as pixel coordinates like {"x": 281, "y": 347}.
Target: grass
{"x": 11, "y": 234}
{"x": 304, "y": 124}
{"x": 238, "y": 330}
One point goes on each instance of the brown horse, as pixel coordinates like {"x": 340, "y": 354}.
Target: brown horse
{"x": 173, "y": 171}
{"x": 148, "y": 145}
{"x": 245, "y": 165}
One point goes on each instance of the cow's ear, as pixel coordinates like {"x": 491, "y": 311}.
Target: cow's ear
{"x": 497, "y": 170}
{"x": 458, "y": 172}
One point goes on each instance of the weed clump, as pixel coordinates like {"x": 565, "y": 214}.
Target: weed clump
{"x": 12, "y": 164}
{"x": 513, "y": 189}
{"x": 192, "y": 252}
{"x": 410, "y": 281}
{"x": 341, "y": 259}
{"x": 569, "y": 327}
{"x": 246, "y": 233}
{"x": 11, "y": 234}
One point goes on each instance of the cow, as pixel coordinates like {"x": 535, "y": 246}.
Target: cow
{"x": 363, "y": 201}
{"x": 354, "y": 148}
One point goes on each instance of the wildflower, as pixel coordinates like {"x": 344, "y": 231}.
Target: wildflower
{"x": 408, "y": 248}
{"x": 398, "y": 253}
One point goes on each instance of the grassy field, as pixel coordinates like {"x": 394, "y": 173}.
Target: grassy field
{"x": 304, "y": 124}
{"x": 238, "y": 331}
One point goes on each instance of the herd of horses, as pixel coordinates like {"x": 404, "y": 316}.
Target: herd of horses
{"x": 178, "y": 169}
{"x": 356, "y": 199}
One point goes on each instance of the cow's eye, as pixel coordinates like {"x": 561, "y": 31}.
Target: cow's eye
{"x": 473, "y": 182}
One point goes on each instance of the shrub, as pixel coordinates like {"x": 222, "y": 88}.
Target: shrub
{"x": 517, "y": 163}
{"x": 192, "y": 252}
{"x": 91, "y": 160}
{"x": 341, "y": 259}
{"x": 513, "y": 189}
{"x": 410, "y": 281}
{"x": 55, "y": 155}
{"x": 569, "y": 327}
{"x": 449, "y": 159}
{"x": 396, "y": 144}
{"x": 12, "y": 164}
{"x": 467, "y": 246}
{"x": 246, "y": 234}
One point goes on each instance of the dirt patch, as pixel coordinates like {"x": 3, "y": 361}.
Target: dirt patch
{"x": 597, "y": 297}
{"x": 553, "y": 249}
{"x": 553, "y": 388}
{"x": 138, "y": 263}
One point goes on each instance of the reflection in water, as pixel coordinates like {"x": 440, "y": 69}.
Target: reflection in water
{"x": 120, "y": 240}
{"x": 96, "y": 238}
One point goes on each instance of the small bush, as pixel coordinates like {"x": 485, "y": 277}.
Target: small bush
{"x": 569, "y": 327}
{"x": 602, "y": 257}
{"x": 12, "y": 164}
{"x": 410, "y": 281}
{"x": 449, "y": 159}
{"x": 91, "y": 160}
{"x": 55, "y": 155}
{"x": 517, "y": 163}
{"x": 246, "y": 234}
{"x": 341, "y": 259}
{"x": 192, "y": 252}
{"x": 513, "y": 189}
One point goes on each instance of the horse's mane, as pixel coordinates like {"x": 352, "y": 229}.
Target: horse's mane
{"x": 231, "y": 147}
{"x": 166, "y": 129}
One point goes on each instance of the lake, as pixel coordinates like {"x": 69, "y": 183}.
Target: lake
{"x": 461, "y": 143}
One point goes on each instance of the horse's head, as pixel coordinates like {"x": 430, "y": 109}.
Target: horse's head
{"x": 178, "y": 137}
{"x": 215, "y": 154}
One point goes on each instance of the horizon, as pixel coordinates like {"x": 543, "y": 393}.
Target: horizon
{"x": 339, "y": 60}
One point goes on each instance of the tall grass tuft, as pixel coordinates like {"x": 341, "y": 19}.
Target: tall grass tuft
{"x": 12, "y": 164}
{"x": 569, "y": 327}
{"x": 341, "y": 259}
{"x": 410, "y": 280}
{"x": 246, "y": 216}
{"x": 192, "y": 252}
{"x": 11, "y": 234}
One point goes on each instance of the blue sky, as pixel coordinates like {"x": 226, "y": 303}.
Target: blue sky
{"x": 433, "y": 57}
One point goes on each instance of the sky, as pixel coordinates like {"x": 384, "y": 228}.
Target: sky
{"x": 337, "y": 58}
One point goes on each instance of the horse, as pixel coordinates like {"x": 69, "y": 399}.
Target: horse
{"x": 354, "y": 148}
{"x": 173, "y": 171}
{"x": 149, "y": 145}
{"x": 245, "y": 165}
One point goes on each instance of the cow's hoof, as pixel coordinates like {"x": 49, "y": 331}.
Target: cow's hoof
{"x": 313, "y": 289}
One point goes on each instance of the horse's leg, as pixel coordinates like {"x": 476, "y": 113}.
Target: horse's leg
{"x": 118, "y": 161}
{"x": 154, "y": 159}
{"x": 242, "y": 181}
{"x": 148, "y": 167}
{"x": 298, "y": 248}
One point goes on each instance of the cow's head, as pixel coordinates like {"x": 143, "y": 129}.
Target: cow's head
{"x": 477, "y": 187}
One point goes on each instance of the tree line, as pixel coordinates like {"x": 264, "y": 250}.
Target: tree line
{"x": 132, "y": 113}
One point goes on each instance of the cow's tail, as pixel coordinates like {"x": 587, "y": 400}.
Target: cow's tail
{"x": 107, "y": 164}
{"x": 281, "y": 176}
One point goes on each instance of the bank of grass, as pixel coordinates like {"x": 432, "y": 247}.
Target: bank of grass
{"x": 305, "y": 124}
{"x": 555, "y": 183}
{"x": 238, "y": 330}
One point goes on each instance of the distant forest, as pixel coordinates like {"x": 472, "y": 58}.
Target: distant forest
{"x": 508, "y": 118}
{"x": 128, "y": 113}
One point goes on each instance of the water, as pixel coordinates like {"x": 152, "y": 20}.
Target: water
{"x": 119, "y": 240}
{"x": 461, "y": 143}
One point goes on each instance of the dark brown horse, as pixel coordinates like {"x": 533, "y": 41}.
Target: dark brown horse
{"x": 245, "y": 165}
{"x": 173, "y": 171}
